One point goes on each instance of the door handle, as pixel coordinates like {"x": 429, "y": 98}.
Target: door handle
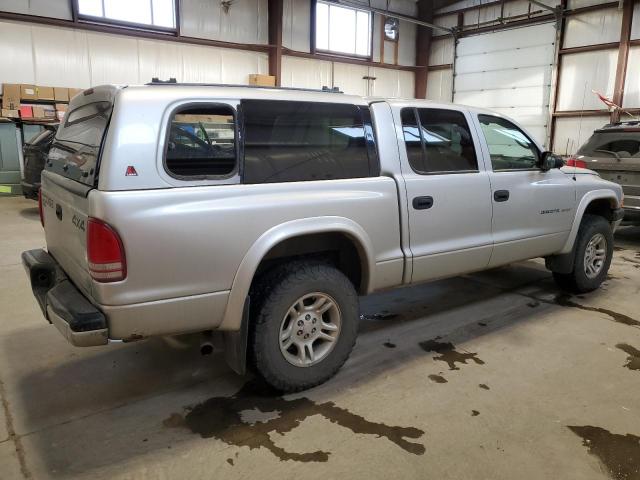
{"x": 422, "y": 203}
{"x": 501, "y": 195}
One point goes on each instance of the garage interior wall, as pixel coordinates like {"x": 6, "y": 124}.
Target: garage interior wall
{"x": 515, "y": 71}
{"x": 71, "y": 57}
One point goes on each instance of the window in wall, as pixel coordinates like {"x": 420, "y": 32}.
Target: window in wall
{"x": 509, "y": 147}
{"x": 155, "y": 13}
{"x": 201, "y": 142}
{"x": 438, "y": 141}
{"x": 341, "y": 29}
{"x": 302, "y": 141}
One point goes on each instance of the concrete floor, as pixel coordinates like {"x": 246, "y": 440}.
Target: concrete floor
{"x": 493, "y": 375}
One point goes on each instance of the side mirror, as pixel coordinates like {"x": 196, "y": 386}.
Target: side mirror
{"x": 549, "y": 160}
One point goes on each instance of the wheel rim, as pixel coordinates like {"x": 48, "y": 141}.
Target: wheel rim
{"x": 595, "y": 255}
{"x": 310, "y": 329}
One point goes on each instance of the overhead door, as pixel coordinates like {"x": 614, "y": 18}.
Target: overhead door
{"x": 510, "y": 72}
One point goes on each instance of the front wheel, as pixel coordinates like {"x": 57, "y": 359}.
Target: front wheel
{"x": 593, "y": 252}
{"x": 306, "y": 325}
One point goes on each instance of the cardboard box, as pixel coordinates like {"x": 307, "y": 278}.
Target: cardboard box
{"x": 262, "y": 80}
{"x": 28, "y": 92}
{"x": 26, "y": 111}
{"x": 6, "y": 113}
{"x": 74, "y": 91}
{"x": 11, "y": 96}
{"x": 61, "y": 94}
{"x": 61, "y": 107}
{"x": 45, "y": 93}
{"x": 37, "y": 112}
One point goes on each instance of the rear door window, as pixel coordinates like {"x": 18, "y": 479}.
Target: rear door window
{"x": 201, "y": 142}
{"x": 287, "y": 141}
{"x": 438, "y": 141}
{"x": 76, "y": 147}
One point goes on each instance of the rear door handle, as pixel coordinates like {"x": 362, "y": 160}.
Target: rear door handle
{"x": 501, "y": 195}
{"x": 422, "y": 203}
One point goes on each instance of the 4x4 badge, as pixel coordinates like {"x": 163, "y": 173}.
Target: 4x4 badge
{"x": 131, "y": 172}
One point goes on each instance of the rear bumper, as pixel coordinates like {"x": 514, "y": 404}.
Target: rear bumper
{"x": 79, "y": 321}
{"x": 631, "y": 215}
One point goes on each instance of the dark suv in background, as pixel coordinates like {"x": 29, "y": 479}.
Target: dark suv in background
{"x": 35, "y": 153}
{"x": 614, "y": 152}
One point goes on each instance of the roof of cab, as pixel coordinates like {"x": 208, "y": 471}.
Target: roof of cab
{"x": 204, "y": 91}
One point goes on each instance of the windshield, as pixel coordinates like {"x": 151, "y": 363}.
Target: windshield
{"x": 76, "y": 147}
{"x": 612, "y": 144}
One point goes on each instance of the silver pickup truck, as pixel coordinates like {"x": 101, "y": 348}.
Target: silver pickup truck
{"x": 261, "y": 214}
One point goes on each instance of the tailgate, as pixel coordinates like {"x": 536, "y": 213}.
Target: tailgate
{"x": 71, "y": 172}
{"x": 65, "y": 209}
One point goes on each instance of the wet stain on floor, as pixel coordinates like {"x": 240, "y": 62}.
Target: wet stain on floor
{"x": 449, "y": 354}
{"x": 475, "y": 413}
{"x": 533, "y": 304}
{"x": 437, "y": 379}
{"x": 633, "y": 360}
{"x": 483, "y": 386}
{"x": 378, "y": 316}
{"x": 221, "y": 418}
{"x": 564, "y": 300}
{"x": 389, "y": 345}
{"x": 620, "y": 454}
{"x": 482, "y": 324}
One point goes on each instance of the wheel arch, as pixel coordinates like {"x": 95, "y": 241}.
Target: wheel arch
{"x": 600, "y": 202}
{"x": 287, "y": 231}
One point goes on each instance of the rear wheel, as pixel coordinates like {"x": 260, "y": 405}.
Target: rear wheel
{"x": 305, "y": 326}
{"x": 593, "y": 252}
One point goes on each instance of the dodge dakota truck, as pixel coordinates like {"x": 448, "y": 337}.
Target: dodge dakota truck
{"x": 260, "y": 215}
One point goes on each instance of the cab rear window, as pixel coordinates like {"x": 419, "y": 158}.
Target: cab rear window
{"x": 76, "y": 146}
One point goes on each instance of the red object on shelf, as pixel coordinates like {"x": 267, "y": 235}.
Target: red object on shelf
{"x": 26, "y": 112}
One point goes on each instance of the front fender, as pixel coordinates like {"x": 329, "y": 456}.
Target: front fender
{"x": 588, "y": 197}
{"x": 244, "y": 276}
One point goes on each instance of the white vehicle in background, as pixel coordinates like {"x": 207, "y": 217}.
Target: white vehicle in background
{"x": 261, "y": 214}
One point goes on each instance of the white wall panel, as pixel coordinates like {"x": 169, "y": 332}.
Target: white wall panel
{"x": 16, "y": 53}
{"x": 445, "y": 21}
{"x": 518, "y": 7}
{"x": 246, "y": 21}
{"x": 61, "y": 57}
{"x": 439, "y": 85}
{"x": 635, "y": 25}
{"x": 592, "y": 28}
{"x": 296, "y": 21}
{"x": 391, "y": 83}
{"x": 237, "y": 65}
{"x": 442, "y": 51}
{"x": 407, "y": 46}
{"x": 584, "y": 3}
{"x": 113, "y": 59}
{"x": 201, "y": 64}
{"x": 631, "y": 98}
{"x": 572, "y": 133}
{"x": 305, "y": 72}
{"x": 349, "y": 79}
{"x": 159, "y": 59}
{"x": 41, "y": 8}
{"x": 583, "y": 72}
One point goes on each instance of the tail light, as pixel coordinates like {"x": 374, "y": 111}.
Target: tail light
{"x": 574, "y": 162}
{"x": 40, "y": 206}
{"x": 105, "y": 252}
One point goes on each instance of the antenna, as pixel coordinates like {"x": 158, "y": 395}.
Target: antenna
{"x": 584, "y": 96}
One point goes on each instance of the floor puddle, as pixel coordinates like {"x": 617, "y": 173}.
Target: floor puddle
{"x": 224, "y": 418}
{"x": 620, "y": 454}
{"x": 448, "y": 353}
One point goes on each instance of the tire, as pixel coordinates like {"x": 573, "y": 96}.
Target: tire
{"x": 580, "y": 280}
{"x": 278, "y": 310}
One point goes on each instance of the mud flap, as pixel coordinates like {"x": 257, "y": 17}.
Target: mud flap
{"x": 235, "y": 343}
{"x": 561, "y": 263}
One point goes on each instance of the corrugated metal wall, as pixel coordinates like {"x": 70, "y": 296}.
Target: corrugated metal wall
{"x": 56, "y": 56}
{"x": 74, "y": 58}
